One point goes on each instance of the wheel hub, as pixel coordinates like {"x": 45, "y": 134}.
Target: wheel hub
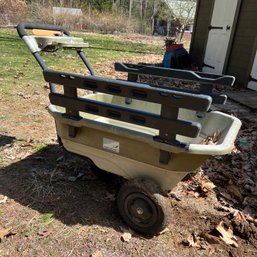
{"x": 140, "y": 209}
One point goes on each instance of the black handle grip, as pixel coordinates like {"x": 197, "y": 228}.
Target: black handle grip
{"x": 214, "y": 27}
{"x": 29, "y": 25}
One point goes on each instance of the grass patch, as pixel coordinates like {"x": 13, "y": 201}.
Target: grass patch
{"x": 40, "y": 147}
{"x": 19, "y": 68}
{"x": 47, "y": 218}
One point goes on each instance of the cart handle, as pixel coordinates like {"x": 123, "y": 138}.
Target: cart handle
{"x": 29, "y": 25}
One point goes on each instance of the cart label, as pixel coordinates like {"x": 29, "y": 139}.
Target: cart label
{"x": 111, "y": 145}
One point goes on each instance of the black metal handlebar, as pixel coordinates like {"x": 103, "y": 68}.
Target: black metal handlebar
{"x": 22, "y": 26}
{"x": 29, "y": 25}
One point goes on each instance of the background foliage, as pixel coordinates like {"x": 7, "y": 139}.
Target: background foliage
{"x": 106, "y": 16}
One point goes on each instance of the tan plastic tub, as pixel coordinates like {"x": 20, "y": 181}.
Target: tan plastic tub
{"x": 129, "y": 150}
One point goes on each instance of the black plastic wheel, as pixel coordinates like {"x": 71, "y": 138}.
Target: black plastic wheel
{"x": 143, "y": 206}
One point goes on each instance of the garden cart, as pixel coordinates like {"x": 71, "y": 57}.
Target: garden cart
{"x": 151, "y": 136}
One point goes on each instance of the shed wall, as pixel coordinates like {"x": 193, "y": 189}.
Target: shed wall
{"x": 200, "y": 32}
{"x": 244, "y": 43}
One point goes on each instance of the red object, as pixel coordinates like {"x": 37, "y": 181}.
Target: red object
{"x": 173, "y": 47}
{"x": 78, "y": 26}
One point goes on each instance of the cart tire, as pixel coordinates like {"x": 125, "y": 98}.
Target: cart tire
{"x": 144, "y": 206}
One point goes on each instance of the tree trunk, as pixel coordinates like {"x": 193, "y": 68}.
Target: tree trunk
{"x": 113, "y": 4}
{"x": 130, "y": 7}
{"x": 155, "y": 9}
{"x": 89, "y": 9}
{"x": 143, "y": 4}
{"x": 168, "y": 27}
{"x": 182, "y": 33}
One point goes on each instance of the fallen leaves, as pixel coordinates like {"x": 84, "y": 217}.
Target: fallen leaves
{"x": 126, "y": 236}
{"x": 244, "y": 226}
{"x": 24, "y": 96}
{"x": 45, "y": 233}
{"x": 17, "y": 151}
{"x": 199, "y": 186}
{"x": 210, "y": 238}
{"x": 211, "y": 140}
{"x": 207, "y": 186}
{"x": 239, "y": 216}
{"x": 226, "y": 235}
{"x": 234, "y": 191}
{"x": 192, "y": 241}
{"x": 18, "y": 75}
{"x": 4, "y": 200}
{"x": 235, "y": 150}
{"x": 193, "y": 193}
{"x": 218, "y": 235}
{"x": 97, "y": 254}
{"x": 5, "y": 233}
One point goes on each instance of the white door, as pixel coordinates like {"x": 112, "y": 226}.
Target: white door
{"x": 253, "y": 79}
{"x": 219, "y": 35}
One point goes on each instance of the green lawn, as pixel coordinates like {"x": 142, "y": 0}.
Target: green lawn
{"x": 19, "y": 68}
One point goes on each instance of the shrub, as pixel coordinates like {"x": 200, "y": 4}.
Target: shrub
{"x": 108, "y": 22}
{"x": 44, "y": 14}
{"x": 96, "y": 21}
{"x": 12, "y": 11}
{"x": 39, "y": 13}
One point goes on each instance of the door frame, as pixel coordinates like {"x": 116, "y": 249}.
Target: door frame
{"x": 250, "y": 66}
{"x": 192, "y": 43}
{"x": 232, "y": 35}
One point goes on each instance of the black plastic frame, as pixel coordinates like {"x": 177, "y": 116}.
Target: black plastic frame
{"x": 206, "y": 80}
{"x": 171, "y": 100}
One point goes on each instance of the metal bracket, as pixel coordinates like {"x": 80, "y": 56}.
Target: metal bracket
{"x": 175, "y": 143}
{"x": 133, "y": 78}
{"x": 167, "y": 113}
{"x": 164, "y": 157}
{"x": 72, "y": 131}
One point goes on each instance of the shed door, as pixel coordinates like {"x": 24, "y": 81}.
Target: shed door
{"x": 253, "y": 77}
{"x": 219, "y": 35}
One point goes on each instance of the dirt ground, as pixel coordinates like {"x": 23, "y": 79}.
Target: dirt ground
{"x": 52, "y": 204}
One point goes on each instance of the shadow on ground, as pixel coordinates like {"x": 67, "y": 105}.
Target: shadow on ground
{"x": 41, "y": 182}
{"x": 6, "y": 140}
